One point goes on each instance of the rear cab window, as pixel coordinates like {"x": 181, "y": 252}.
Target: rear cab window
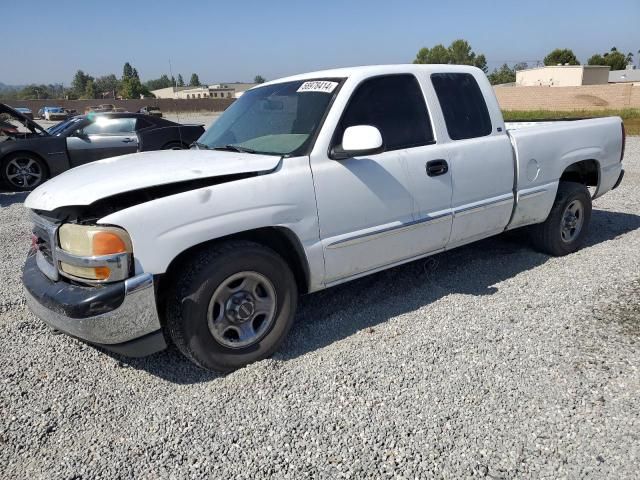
{"x": 395, "y": 105}
{"x": 463, "y": 105}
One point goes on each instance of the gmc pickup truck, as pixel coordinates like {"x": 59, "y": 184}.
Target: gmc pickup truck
{"x": 302, "y": 184}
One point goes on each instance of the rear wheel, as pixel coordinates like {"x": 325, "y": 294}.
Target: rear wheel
{"x": 23, "y": 171}
{"x": 231, "y": 305}
{"x": 567, "y": 225}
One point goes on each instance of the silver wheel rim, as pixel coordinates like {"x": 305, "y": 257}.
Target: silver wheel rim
{"x": 23, "y": 172}
{"x": 242, "y": 310}
{"x": 572, "y": 221}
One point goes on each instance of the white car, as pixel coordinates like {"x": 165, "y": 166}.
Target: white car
{"x": 55, "y": 113}
{"x": 302, "y": 184}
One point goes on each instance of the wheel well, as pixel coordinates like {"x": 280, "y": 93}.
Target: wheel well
{"x": 586, "y": 172}
{"x": 4, "y": 159}
{"x": 282, "y": 240}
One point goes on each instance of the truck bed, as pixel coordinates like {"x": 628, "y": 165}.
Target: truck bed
{"x": 543, "y": 150}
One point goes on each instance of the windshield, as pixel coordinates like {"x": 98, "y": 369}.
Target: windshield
{"x": 279, "y": 119}
{"x": 58, "y": 128}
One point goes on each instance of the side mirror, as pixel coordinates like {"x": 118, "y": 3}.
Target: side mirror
{"x": 80, "y": 134}
{"x": 357, "y": 141}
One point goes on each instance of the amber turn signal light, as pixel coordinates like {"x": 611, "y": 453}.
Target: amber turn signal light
{"x": 107, "y": 243}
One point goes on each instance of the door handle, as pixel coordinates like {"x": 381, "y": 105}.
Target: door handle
{"x": 128, "y": 140}
{"x": 437, "y": 167}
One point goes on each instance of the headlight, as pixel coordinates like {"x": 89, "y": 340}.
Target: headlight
{"x": 93, "y": 252}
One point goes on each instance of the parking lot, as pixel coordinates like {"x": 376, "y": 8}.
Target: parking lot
{"x": 205, "y": 118}
{"x": 489, "y": 360}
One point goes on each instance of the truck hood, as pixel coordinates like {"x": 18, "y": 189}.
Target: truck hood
{"x": 88, "y": 183}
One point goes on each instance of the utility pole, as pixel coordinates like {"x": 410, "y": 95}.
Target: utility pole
{"x": 175, "y": 81}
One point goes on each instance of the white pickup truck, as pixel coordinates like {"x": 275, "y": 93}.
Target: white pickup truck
{"x": 302, "y": 184}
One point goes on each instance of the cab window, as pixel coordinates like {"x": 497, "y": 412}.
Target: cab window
{"x": 465, "y": 111}
{"x": 394, "y": 104}
{"x": 110, "y": 126}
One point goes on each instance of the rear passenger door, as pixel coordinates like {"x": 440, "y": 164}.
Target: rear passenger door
{"x": 480, "y": 159}
{"x": 104, "y": 138}
{"x": 367, "y": 205}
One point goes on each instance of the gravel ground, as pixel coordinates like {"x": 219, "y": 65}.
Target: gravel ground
{"x": 490, "y": 360}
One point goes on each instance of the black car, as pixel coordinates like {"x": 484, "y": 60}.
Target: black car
{"x": 30, "y": 154}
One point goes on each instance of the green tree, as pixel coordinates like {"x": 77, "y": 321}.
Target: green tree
{"x": 162, "y": 82}
{"x": 79, "y": 83}
{"x": 132, "y": 88}
{"x": 438, "y": 54}
{"x": 195, "y": 81}
{"x": 134, "y": 74}
{"x": 90, "y": 89}
{"x": 596, "y": 59}
{"x": 34, "y": 92}
{"x": 561, "y": 56}
{"x": 259, "y": 79}
{"x": 504, "y": 74}
{"x": 107, "y": 84}
{"x": 459, "y": 53}
{"x": 180, "y": 80}
{"x": 127, "y": 71}
{"x": 613, "y": 58}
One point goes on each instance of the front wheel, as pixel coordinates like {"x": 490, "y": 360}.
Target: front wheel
{"x": 231, "y": 305}
{"x": 23, "y": 171}
{"x": 566, "y": 227}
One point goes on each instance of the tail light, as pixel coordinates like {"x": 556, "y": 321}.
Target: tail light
{"x": 624, "y": 142}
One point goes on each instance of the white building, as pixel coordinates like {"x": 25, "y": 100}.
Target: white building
{"x": 219, "y": 90}
{"x": 563, "y": 76}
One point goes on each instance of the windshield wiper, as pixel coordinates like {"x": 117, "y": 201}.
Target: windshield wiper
{"x": 235, "y": 148}
{"x": 201, "y": 146}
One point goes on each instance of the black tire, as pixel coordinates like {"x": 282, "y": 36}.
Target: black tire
{"x": 192, "y": 291}
{"x": 37, "y": 171}
{"x": 174, "y": 146}
{"x": 549, "y": 236}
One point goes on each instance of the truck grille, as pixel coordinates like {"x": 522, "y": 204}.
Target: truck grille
{"x": 44, "y": 233}
{"x": 42, "y": 243}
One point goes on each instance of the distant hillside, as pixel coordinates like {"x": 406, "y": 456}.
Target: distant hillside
{"x": 4, "y": 87}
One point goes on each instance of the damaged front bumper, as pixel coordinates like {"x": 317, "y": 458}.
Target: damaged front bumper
{"x": 121, "y": 317}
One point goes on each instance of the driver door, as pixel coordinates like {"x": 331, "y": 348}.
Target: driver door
{"x": 372, "y": 211}
{"x": 104, "y": 138}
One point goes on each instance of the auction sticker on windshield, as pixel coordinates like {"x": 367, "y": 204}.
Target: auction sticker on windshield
{"x": 318, "y": 86}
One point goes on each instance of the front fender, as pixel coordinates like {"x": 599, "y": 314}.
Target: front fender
{"x": 163, "y": 228}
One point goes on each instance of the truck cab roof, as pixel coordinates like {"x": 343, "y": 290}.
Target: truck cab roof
{"x": 374, "y": 70}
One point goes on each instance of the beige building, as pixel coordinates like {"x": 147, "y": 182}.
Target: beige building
{"x": 219, "y": 90}
{"x": 563, "y": 76}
